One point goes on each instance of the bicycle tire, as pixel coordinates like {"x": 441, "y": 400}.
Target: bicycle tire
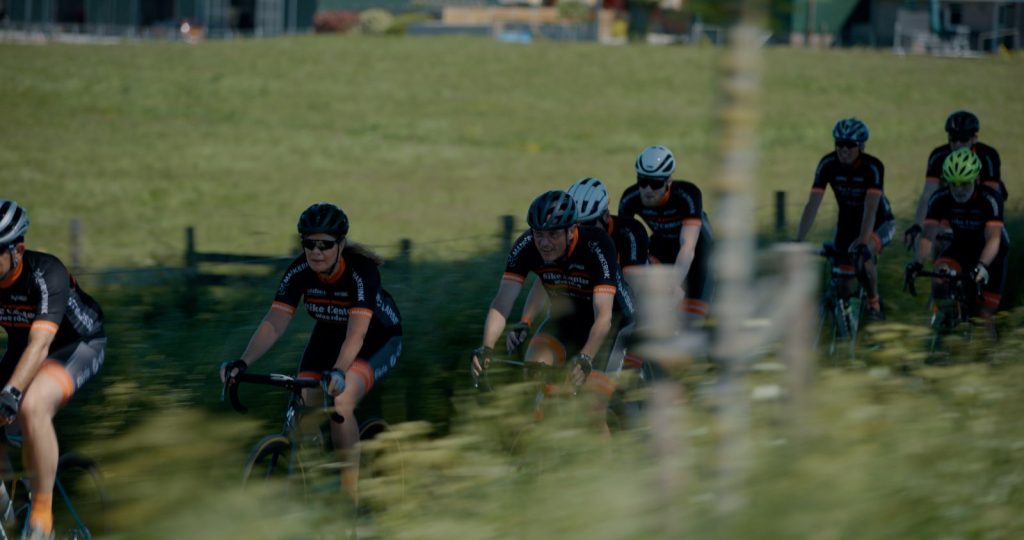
{"x": 80, "y": 486}
{"x": 270, "y": 459}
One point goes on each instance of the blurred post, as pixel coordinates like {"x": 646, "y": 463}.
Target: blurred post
{"x": 780, "y": 214}
{"x": 734, "y": 251}
{"x": 405, "y": 250}
{"x": 657, "y": 326}
{"x": 190, "y": 249}
{"x": 76, "y": 245}
{"x": 801, "y": 282}
{"x": 508, "y": 224}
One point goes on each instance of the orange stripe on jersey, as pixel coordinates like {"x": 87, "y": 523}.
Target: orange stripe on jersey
{"x": 817, "y": 190}
{"x": 931, "y": 180}
{"x": 360, "y": 312}
{"x": 994, "y": 223}
{"x": 692, "y": 221}
{"x": 874, "y": 190}
{"x": 931, "y": 222}
{"x": 57, "y": 373}
{"x": 509, "y": 276}
{"x": 281, "y": 306}
{"x": 361, "y": 369}
{"x": 572, "y": 241}
{"x": 604, "y": 289}
{"x": 696, "y": 307}
{"x": 46, "y": 326}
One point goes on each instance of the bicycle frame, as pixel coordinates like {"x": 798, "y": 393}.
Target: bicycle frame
{"x": 952, "y": 310}
{"x": 843, "y": 308}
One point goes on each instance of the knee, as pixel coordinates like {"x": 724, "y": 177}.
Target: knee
{"x": 345, "y": 403}
{"x": 35, "y": 407}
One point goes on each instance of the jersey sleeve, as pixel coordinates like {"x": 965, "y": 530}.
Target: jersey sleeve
{"x": 821, "y": 175}
{"x": 290, "y": 291}
{"x": 365, "y": 286}
{"x": 634, "y": 244}
{"x": 626, "y": 207}
{"x": 876, "y": 176}
{"x": 604, "y": 269}
{"x": 994, "y": 215}
{"x": 54, "y": 285}
{"x": 933, "y": 173}
{"x": 936, "y": 212}
{"x": 693, "y": 205}
{"x": 519, "y": 264}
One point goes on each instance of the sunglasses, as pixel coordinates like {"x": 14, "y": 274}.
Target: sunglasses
{"x": 322, "y": 245}
{"x": 652, "y": 183}
{"x": 847, "y": 144}
{"x": 960, "y": 137}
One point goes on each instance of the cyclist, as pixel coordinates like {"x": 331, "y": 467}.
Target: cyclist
{"x": 962, "y": 130}
{"x": 980, "y": 242}
{"x": 55, "y": 343}
{"x": 357, "y": 337}
{"x": 680, "y": 230}
{"x": 591, "y": 305}
{"x": 629, "y": 236}
{"x": 865, "y": 223}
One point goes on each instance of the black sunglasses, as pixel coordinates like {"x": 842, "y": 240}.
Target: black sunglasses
{"x": 847, "y": 144}
{"x": 322, "y": 245}
{"x": 960, "y": 137}
{"x": 648, "y": 182}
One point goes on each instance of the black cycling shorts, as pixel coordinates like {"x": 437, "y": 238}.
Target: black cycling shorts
{"x": 372, "y": 364}
{"x": 70, "y": 366}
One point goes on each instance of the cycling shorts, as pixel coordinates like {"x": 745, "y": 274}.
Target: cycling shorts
{"x": 371, "y": 365}
{"x": 964, "y": 260}
{"x": 70, "y": 366}
{"x": 565, "y": 337}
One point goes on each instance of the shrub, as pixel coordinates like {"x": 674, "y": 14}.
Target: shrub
{"x": 402, "y": 22}
{"x": 375, "y": 21}
{"x": 335, "y": 21}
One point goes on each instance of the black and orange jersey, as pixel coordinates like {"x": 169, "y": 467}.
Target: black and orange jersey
{"x": 991, "y": 168}
{"x": 40, "y": 293}
{"x": 851, "y": 185}
{"x": 354, "y": 290}
{"x": 631, "y": 242}
{"x": 968, "y": 220}
{"x": 590, "y": 267}
{"x": 681, "y": 205}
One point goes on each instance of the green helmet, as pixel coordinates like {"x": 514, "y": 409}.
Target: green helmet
{"x": 961, "y": 167}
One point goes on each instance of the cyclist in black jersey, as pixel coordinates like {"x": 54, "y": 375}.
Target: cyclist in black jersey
{"x": 629, "y": 236}
{"x": 865, "y": 223}
{"x": 974, "y": 213}
{"x": 591, "y": 306}
{"x": 680, "y": 231}
{"x": 55, "y": 343}
{"x": 358, "y": 332}
{"x": 962, "y": 131}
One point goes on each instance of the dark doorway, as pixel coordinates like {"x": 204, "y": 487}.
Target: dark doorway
{"x": 71, "y": 11}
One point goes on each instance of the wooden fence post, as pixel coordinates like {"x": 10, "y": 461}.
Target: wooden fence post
{"x": 405, "y": 250}
{"x": 76, "y": 245}
{"x": 190, "y": 249}
{"x": 508, "y": 225}
{"x": 780, "y": 214}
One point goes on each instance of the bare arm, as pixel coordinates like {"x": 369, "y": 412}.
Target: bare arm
{"x": 922, "y": 204}
{"x": 39, "y": 339}
{"x": 271, "y": 328}
{"x": 603, "y": 304}
{"x": 358, "y": 325}
{"x": 867, "y": 222}
{"x": 497, "y": 315}
{"x": 925, "y": 241}
{"x": 688, "y": 237}
{"x": 535, "y": 302}
{"x": 993, "y": 237}
{"x": 810, "y": 212}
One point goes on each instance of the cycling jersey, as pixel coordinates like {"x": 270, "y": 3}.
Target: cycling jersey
{"x": 589, "y": 268}
{"x": 851, "y": 184}
{"x": 681, "y": 205}
{"x": 990, "y": 176}
{"x": 631, "y": 242}
{"x": 353, "y": 290}
{"x": 968, "y": 221}
{"x": 40, "y": 293}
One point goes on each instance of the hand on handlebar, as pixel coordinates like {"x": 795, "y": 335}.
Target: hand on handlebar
{"x": 909, "y": 274}
{"x": 479, "y": 361}
{"x": 230, "y": 370}
{"x": 517, "y": 336}
{"x": 582, "y": 365}
{"x": 910, "y": 236}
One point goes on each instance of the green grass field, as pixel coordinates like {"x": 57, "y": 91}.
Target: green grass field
{"x": 428, "y": 139}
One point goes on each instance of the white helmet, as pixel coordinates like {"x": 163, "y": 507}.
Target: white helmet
{"x": 591, "y": 198}
{"x": 656, "y": 162}
{"x": 13, "y": 222}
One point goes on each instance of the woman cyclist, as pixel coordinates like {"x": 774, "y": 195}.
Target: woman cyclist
{"x": 357, "y": 337}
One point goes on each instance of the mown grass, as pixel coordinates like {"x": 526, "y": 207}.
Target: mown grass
{"x": 427, "y": 139}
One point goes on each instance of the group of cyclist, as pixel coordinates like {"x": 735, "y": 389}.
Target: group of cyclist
{"x": 582, "y": 255}
{"x": 963, "y": 193}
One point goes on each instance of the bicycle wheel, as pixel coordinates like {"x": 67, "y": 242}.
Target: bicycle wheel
{"x": 381, "y": 463}
{"x": 270, "y": 459}
{"x": 79, "y": 487}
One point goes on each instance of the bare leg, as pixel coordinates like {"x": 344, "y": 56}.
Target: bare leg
{"x": 41, "y": 402}
{"x": 345, "y": 435}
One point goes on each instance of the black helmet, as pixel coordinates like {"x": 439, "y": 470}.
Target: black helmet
{"x": 962, "y": 122}
{"x": 551, "y": 211}
{"x": 323, "y": 218}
